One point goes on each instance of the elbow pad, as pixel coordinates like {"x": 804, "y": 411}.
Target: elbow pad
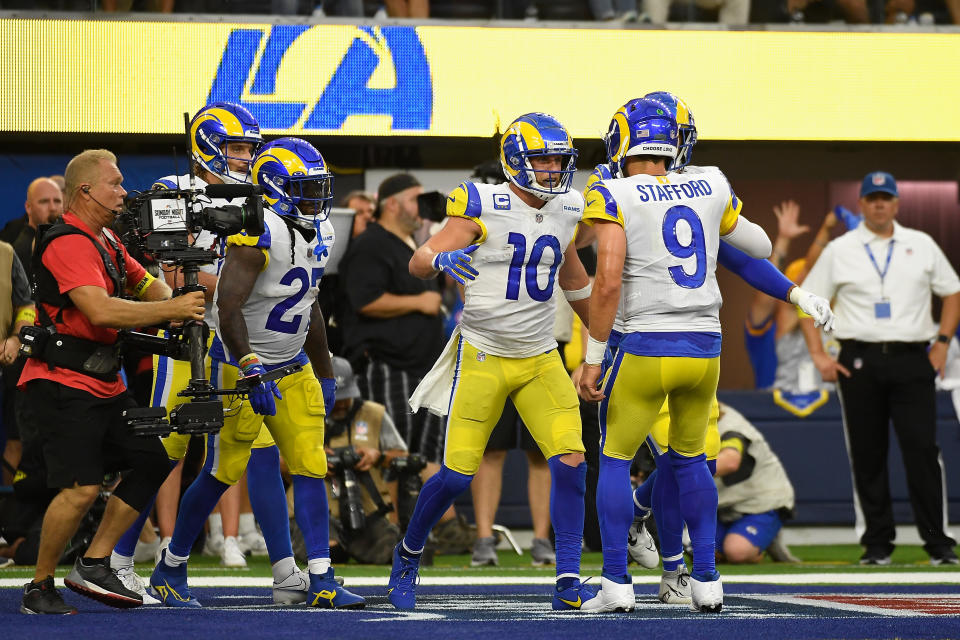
{"x": 750, "y": 238}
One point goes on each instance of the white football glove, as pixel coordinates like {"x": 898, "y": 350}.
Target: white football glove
{"x": 814, "y": 306}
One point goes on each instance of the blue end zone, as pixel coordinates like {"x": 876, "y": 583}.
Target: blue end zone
{"x": 760, "y": 611}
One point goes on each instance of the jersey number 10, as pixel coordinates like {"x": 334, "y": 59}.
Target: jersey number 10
{"x": 541, "y": 244}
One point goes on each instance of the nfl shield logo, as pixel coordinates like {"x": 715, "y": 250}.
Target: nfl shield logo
{"x": 539, "y": 217}
{"x": 481, "y": 356}
{"x": 878, "y": 179}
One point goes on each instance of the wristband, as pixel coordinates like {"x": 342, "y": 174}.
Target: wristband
{"x": 26, "y": 314}
{"x": 595, "y": 351}
{"x": 141, "y": 289}
{"x": 248, "y": 360}
{"x": 578, "y": 294}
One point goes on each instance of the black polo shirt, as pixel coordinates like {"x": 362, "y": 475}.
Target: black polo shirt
{"x": 376, "y": 263}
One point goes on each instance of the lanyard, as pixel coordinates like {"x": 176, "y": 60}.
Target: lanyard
{"x": 886, "y": 267}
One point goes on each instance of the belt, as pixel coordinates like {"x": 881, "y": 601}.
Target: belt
{"x": 884, "y": 347}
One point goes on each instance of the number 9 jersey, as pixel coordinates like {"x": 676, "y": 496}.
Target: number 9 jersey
{"x": 673, "y": 225}
{"x": 277, "y": 311}
{"x": 509, "y": 309}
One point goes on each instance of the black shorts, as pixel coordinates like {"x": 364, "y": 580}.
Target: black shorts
{"x": 510, "y": 432}
{"x": 84, "y": 436}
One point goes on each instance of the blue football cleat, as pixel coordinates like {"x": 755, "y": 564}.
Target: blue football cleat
{"x": 401, "y": 589}
{"x": 169, "y": 585}
{"x": 572, "y": 598}
{"x": 326, "y": 593}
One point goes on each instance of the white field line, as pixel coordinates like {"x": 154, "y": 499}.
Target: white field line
{"x": 427, "y": 580}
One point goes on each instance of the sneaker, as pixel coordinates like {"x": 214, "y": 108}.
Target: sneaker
{"x": 253, "y": 543}
{"x": 146, "y": 551}
{"x": 454, "y": 536}
{"x": 404, "y": 576}
{"x": 292, "y": 589}
{"x": 615, "y": 594}
{"x": 542, "y": 552}
{"x": 128, "y": 576}
{"x": 93, "y": 577}
{"x": 675, "y": 586}
{"x": 875, "y": 556}
{"x": 706, "y": 596}
{"x": 572, "y": 598}
{"x": 230, "y": 555}
{"x": 164, "y": 543}
{"x": 942, "y": 556}
{"x": 641, "y": 547}
{"x": 485, "y": 552}
{"x": 779, "y": 551}
{"x": 43, "y": 598}
{"x": 213, "y": 544}
{"x": 326, "y": 593}
{"x": 169, "y": 585}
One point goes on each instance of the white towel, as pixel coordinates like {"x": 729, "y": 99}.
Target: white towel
{"x": 433, "y": 392}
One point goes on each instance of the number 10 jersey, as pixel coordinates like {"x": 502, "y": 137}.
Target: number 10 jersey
{"x": 509, "y": 309}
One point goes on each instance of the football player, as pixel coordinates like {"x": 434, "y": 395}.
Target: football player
{"x": 510, "y": 245}
{"x": 266, "y": 316}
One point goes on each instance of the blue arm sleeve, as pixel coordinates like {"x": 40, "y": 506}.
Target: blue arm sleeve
{"x": 759, "y": 274}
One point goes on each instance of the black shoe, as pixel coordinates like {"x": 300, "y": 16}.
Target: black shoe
{"x": 875, "y": 556}
{"x": 93, "y": 577}
{"x": 42, "y": 597}
{"x": 943, "y": 555}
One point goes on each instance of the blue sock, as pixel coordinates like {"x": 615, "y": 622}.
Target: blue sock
{"x": 269, "y": 501}
{"x": 698, "y": 506}
{"x": 198, "y": 502}
{"x": 643, "y": 496}
{"x": 312, "y": 514}
{"x": 568, "y": 485}
{"x": 615, "y": 507}
{"x": 666, "y": 512}
{"x": 436, "y": 496}
{"x": 127, "y": 544}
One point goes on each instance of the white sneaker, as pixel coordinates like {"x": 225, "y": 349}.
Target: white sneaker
{"x": 293, "y": 589}
{"x": 132, "y": 581}
{"x": 612, "y": 596}
{"x": 146, "y": 551}
{"x": 231, "y": 556}
{"x": 164, "y": 543}
{"x": 253, "y": 543}
{"x": 675, "y": 586}
{"x": 641, "y": 547}
{"x": 706, "y": 597}
{"x": 213, "y": 545}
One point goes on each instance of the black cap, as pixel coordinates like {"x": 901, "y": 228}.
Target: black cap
{"x": 393, "y": 185}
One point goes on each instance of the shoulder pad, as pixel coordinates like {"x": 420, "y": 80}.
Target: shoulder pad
{"x": 464, "y": 201}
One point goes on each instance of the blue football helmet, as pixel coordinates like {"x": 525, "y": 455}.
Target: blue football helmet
{"x": 642, "y": 126}
{"x": 688, "y": 128}
{"x": 213, "y": 128}
{"x": 538, "y": 134}
{"x": 295, "y": 178}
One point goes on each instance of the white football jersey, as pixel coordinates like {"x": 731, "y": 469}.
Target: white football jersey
{"x": 509, "y": 309}
{"x": 673, "y": 225}
{"x": 277, "y": 312}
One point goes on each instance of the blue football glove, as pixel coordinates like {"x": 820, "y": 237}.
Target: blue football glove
{"x": 329, "y": 387}
{"x": 261, "y": 396}
{"x": 457, "y": 263}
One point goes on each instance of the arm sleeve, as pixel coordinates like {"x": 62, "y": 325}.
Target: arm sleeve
{"x": 21, "y": 286}
{"x": 761, "y": 346}
{"x": 944, "y": 281}
{"x": 748, "y": 237}
{"x": 759, "y": 274}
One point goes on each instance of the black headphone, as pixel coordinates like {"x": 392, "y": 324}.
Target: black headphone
{"x": 86, "y": 189}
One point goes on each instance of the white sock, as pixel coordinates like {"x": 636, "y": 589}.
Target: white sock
{"x": 283, "y": 568}
{"x": 173, "y": 561}
{"x": 318, "y": 566}
{"x": 118, "y": 561}
{"x": 247, "y": 524}
{"x": 216, "y": 524}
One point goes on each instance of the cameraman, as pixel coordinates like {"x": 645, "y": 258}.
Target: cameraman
{"x": 75, "y": 398}
{"x": 363, "y": 430}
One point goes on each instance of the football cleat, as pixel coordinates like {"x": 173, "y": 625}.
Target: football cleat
{"x": 615, "y": 594}
{"x": 169, "y": 585}
{"x": 641, "y": 547}
{"x": 572, "y": 598}
{"x": 293, "y": 589}
{"x": 401, "y": 589}
{"x": 675, "y": 586}
{"x": 326, "y": 593}
{"x": 707, "y": 596}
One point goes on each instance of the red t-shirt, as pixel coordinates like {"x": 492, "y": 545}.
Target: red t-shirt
{"x": 75, "y": 262}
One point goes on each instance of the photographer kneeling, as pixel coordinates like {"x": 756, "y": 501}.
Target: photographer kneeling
{"x": 362, "y": 443}
{"x": 75, "y": 398}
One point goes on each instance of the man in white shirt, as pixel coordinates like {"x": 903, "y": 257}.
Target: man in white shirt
{"x": 880, "y": 276}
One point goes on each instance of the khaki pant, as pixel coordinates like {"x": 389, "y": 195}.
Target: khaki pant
{"x": 731, "y": 11}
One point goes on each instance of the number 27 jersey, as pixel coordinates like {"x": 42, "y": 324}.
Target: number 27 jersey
{"x": 509, "y": 309}
{"x": 673, "y": 225}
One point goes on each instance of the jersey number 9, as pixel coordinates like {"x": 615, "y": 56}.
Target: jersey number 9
{"x": 695, "y": 248}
